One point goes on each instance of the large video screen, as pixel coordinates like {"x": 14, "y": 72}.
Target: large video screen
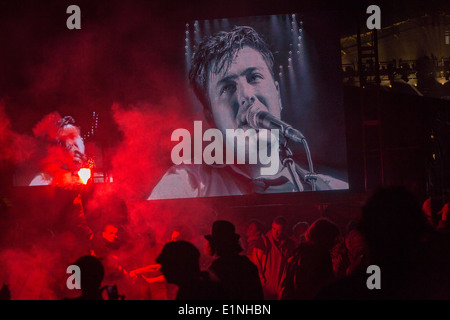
{"x": 223, "y": 107}
{"x": 269, "y": 91}
{"x": 145, "y": 126}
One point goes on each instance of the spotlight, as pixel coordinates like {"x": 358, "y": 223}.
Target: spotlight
{"x": 84, "y": 174}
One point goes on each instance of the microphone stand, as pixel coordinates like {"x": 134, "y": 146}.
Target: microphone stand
{"x": 258, "y": 118}
{"x": 311, "y": 176}
{"x": 287, "y": 161}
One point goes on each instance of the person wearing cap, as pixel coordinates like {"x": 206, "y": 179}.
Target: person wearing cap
{"x": 237, "y": 275}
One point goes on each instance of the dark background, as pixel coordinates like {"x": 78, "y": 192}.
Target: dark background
{"x": 127, "y": 56}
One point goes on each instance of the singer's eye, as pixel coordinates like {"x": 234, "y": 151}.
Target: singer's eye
{"x": 227, "y": 88}
{"x": 254, "y": 77}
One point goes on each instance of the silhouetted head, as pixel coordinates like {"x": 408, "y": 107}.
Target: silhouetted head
{"x": 392, "y": 220}
{"x": 425, "y": 68}
{"x": 223, "y": 238}
{"x": 179, "y": 262}
{"x": 323, "y": 232}
{"x": 92, "y": 273}
{"x": 300, "y": 228}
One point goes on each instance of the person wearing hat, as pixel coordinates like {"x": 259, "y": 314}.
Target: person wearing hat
{"x": 236, "y": 274}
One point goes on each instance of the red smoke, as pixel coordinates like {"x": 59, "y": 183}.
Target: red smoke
{"x": 141, "y": 157}
{"x": 137, "y": 163}
{"x": 144, "y": 153}
{"x": 15, "y": 148}
{"x": 124, "y": 55}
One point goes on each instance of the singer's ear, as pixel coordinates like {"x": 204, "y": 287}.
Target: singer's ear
{"x": 277, "y": 86}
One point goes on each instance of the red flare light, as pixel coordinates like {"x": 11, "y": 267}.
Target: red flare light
{"x": 84, "y": 174}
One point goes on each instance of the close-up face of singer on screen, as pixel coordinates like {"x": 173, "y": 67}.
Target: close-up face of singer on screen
{"x": 246, "y": 83}
{"x": 231, "y": 73}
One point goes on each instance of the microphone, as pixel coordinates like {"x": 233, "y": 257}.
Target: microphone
{"x": 258, "y": 118}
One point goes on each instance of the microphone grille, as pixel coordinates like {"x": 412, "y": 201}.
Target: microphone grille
{"x": 251, "y": 116}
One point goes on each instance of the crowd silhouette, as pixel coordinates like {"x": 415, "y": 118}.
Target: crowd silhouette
{"x": 409, "y": 242}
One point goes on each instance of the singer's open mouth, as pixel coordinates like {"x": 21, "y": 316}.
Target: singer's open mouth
{"x": 244, "y": 127}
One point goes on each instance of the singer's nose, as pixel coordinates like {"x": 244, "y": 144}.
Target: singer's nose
{"x": 246, "y": 98}
{"x": 247, "y": 101}
{"x": 245, "y": 93}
